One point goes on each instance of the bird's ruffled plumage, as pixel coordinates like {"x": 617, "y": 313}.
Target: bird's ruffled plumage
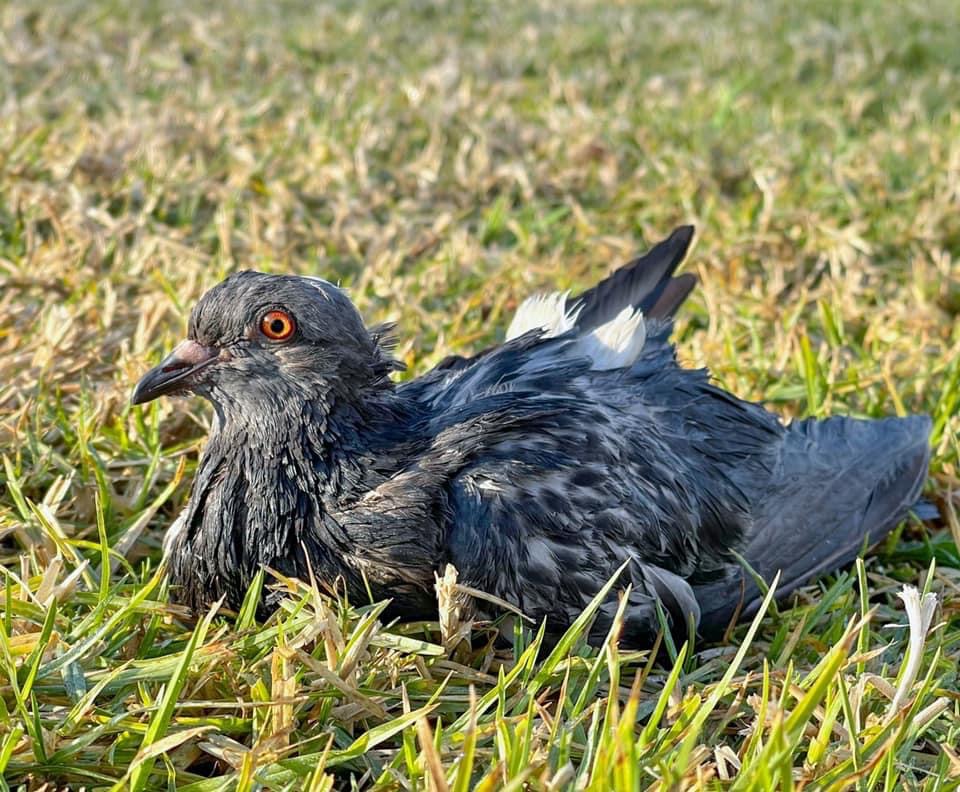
{"x": 536, "y": 467}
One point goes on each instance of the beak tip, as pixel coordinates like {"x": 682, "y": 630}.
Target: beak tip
{"x": 174, "y": 372}
{"x": 142, "y": 392}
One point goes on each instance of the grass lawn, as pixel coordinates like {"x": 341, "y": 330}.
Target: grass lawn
{"x": 443, "y": 161}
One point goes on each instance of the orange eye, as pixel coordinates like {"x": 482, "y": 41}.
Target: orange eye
{"x": 277, "y": 325}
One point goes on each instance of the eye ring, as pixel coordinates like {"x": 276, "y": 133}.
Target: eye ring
{"x": 277, "y": 325}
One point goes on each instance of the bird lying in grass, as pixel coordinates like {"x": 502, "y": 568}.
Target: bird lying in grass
{"x": 536, "y": 468}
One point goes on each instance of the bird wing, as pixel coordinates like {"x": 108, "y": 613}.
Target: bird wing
{"x": 581, "y": 469}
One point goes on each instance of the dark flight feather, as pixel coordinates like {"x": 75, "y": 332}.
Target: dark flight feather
{"x": 646, "y": 283}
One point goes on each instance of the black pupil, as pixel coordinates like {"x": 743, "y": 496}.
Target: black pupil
{"x": 277, "y": 326}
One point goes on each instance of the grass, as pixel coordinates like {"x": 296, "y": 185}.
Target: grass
{"x": 443, "y": 161}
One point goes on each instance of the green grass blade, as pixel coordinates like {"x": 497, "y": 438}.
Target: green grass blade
{"x": 142, "y": 766}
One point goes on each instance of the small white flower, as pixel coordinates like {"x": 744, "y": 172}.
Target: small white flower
{"x": 920, "y": 613}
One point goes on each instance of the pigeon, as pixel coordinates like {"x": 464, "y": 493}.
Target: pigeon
{"x": 538, "y": 468}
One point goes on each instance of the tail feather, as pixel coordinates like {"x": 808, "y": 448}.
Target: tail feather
{"x": 646, "y": 283}
{"x": 674, "y": 293}
{"x": 841, "y": 486}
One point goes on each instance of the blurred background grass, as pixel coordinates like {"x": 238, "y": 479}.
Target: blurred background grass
{"x": 443, "y": 161}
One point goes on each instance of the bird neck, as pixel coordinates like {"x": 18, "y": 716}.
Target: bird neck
{"x": 321, "y": 442}
{"x": 266, "y": 490}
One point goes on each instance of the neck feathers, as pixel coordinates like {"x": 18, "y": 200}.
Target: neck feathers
{"x": 263, "y": 494}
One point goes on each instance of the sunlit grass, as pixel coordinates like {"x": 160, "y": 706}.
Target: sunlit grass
{"x": 443, "y": 162}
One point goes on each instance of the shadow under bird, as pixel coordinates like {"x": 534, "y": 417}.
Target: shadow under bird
{"x": 536, "y": 467}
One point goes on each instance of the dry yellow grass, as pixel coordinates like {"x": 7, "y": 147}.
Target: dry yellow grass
{"x": 443, "y": 161}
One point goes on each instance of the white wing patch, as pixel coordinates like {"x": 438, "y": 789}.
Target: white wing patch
{"x": 616, "y": 344}
{"x": 546, "y": 311}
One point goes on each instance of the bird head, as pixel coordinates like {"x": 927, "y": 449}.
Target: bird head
{"x": 263, "y": 339}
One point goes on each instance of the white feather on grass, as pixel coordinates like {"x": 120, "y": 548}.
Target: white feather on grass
{"x": 920, "y": 612}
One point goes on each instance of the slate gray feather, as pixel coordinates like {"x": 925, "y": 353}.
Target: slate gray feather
{"x": 536, "y": 467}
